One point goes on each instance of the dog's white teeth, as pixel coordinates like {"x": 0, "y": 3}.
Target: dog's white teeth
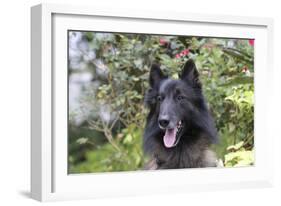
{"x": 179, "y": 126}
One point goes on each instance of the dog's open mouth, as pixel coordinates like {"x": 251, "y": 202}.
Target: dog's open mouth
{"x": 172, "y": 136}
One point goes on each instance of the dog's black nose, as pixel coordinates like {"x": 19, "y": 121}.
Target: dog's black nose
{"x": 163, "y": 122}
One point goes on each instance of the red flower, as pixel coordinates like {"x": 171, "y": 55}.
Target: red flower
{"x": 182, "y": 53}
{"x": 185, "y": 52}
{"x": 162, "y": 41}
{"x": 252, "y": 42}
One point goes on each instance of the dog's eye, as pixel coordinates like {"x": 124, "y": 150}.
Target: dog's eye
{"x": 180, "y": 97}
{"x": 159, "y": 98}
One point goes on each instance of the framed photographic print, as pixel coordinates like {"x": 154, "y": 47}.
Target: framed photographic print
{"x": 135, "y": 102}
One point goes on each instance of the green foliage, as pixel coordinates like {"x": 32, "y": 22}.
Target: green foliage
{"x": 238, "y": 156}
{"x": 110, "y": 139}
{"x": 106, "y": 158}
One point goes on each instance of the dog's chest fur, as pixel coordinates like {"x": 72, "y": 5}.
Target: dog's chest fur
{"x": 186, "y": 155}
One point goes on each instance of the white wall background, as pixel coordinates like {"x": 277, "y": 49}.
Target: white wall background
{"x": 15, "y": 100}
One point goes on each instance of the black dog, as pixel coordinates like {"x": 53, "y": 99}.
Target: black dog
{"x": 179, "y": 128}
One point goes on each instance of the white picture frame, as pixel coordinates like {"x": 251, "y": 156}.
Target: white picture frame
{"x": 49, "y": 178}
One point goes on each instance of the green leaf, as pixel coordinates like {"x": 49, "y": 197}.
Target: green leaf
{"x": 238, "y": 80}
{"x": 239, "y": 158}
{"x": 239, "y": 55}
{"x": 128, "y": 139}
{"x": 175, "y": 76}
{"x": 235, "y": 147}
{"x": 231, "y": 127}
{"x": 82, "y": 140}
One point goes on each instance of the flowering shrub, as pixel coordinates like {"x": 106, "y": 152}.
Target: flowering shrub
{"x": 108, "y": 77}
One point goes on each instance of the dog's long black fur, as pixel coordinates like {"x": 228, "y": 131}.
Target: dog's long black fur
{"x": 177, "y": 101}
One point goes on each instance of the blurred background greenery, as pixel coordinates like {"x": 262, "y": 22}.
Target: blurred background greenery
{"x": 108, "y": 76}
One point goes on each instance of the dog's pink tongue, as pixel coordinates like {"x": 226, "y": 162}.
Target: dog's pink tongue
{"x": 170, "y": 137}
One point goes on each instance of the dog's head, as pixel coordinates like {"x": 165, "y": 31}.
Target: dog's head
{"x": 177, "y": 105}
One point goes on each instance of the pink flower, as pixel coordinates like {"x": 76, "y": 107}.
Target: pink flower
{"x": 251, "y": 42}
{"x": 182, "y": 53}
{"x": 162, "y": 41}
{"x": 185, "y": 52}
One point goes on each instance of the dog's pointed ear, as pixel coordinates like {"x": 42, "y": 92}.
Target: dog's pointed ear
{"x": 190, "y": 73}
{"x": 155, "y": 75}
